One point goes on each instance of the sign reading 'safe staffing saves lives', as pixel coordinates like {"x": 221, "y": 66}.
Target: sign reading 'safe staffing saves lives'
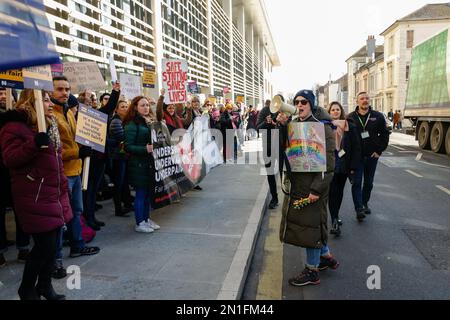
{"x": 91, "y": 128}
{"x": 175, "y": 76}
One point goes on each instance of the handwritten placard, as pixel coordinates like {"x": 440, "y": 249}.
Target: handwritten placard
{"x": 131, "y": 85}
{"x": 84, "y": 76}
{"x": 174, "y": 78}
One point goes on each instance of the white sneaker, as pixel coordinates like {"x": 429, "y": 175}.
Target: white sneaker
{"x": 152, "y": 224}
{"x": 143, "y": 228}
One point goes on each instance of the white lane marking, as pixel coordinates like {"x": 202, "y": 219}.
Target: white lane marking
{"x": 443, "y": 189}
{"x": 419, "y": 156}
{"x": 399, "y": 148}
{"x": 414, "y": 174}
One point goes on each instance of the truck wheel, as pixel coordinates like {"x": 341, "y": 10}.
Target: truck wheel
{"x": 447, "y": 141}
{"x": 424, "y": 135}
{"x": 437, "y": 138}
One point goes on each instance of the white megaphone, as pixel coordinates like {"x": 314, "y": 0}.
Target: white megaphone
{"x": 278, "y": 105}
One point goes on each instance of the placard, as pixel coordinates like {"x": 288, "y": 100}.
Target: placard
{"x": 130, "y": 85}
{"x": 11, "y": 79}
{"x": 193, "y": 87}
{"x": 307, "y": 148}
{"x": 38, "y": 77}
{"x": 174, "y": 78}
{"x": 91, "y": 128}
{"x": 149, "y": 76}
{"x": 112, "y": 68}
{"x": 57, "y": 69}
{"x": 84, "y": 76}
{"x": 240, "y": 98}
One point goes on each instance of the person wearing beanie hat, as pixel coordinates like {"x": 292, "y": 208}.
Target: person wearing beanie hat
{"x": 73, "y": 105}
{"x": 309, "y": 229}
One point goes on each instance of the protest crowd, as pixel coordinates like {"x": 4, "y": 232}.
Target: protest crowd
{"x": 42, "y": 172}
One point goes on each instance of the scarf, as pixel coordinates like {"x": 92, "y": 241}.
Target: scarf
{"x": 174, "y": 122}
{"x": 53, "y": 133}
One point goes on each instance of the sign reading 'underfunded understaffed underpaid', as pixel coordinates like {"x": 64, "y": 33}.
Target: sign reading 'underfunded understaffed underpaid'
{"x": 91, "y": 128}
{"x": 175, "y": 77}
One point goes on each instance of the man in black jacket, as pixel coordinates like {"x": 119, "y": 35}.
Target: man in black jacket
{"x": 372, "y": 130}
{"x": 266, "y": 123}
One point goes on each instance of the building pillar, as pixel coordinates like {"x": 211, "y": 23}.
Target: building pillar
{"x": 228, "y": 8}
{"x": 158, "y": 43}
{"x": 210, "y": 46}
{"x": 240, "y": 10}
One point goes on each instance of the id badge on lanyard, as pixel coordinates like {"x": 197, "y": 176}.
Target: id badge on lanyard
{"x": 365, "y": 134}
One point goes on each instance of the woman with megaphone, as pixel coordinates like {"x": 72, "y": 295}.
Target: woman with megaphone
{"x": 304, "y": 213}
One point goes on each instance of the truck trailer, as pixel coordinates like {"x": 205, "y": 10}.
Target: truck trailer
{"x": 428, "y": 95}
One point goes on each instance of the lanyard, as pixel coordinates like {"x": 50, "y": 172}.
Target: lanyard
{"x": 367, "y": 121}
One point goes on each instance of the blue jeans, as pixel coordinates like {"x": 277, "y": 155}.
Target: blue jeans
{"x": 142, "y": 205}
{"x": 361, "y": 193}
{"x": 96, "y": 172}
{"x": 74, "y": 226}
{"x": 313, "y": 256}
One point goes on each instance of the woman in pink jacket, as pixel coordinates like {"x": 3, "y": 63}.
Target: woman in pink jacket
{"x": 39, "y": 188}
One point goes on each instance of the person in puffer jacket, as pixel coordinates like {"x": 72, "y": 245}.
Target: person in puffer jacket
{"x": 39, "y": 187}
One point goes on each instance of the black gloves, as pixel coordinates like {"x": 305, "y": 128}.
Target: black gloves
{"x": 84, "y": 152}
{"x": 42, "y": 139}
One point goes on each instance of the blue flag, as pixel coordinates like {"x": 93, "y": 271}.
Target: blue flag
{"x": 25, "y": 36}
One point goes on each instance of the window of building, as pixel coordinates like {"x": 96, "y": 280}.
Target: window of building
{"x": 407, "y": 72}
{"x": 390, "y": 75}
{"x": 409, "y": 39}
{"x": 391, "y": 45}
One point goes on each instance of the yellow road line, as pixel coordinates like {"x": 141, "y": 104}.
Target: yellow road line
{"x": 270, "y": 285}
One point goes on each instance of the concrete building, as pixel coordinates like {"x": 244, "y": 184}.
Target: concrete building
{"x": 227, "y": 43}
{"x": 399, "y": 39}
{"x": 333, "y": 91}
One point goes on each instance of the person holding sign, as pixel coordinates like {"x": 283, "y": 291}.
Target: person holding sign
{"x": 97, "y": 166}
{"x": 119, "y": 159}
{"x": 168, "y": 114}
{"x": 72, "y": 156}
{"x": 306, "y": 226}
{"x": 348, "y": 157}
{"x": 141, "y": 166}
{"x": 39, "y": 188}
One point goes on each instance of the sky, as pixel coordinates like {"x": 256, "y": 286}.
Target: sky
{"x": 315, "y": 37}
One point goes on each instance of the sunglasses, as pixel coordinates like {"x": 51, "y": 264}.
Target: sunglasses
{"x": 302, "y": 102}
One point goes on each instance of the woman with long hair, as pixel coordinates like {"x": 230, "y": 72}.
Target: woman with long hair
{"x": 347, "y": 157}
{"x": 39, "y": 187}
{"x": 141, "y": 176}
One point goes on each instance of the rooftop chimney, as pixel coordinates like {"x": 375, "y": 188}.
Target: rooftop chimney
{"x": 371, "y": 47}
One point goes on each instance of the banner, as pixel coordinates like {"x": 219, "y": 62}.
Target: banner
{"x": 167, "y": 167}
{"x": 307, "y": 149}
{"x": 180, "y": 167}
{"x": 131, "y": 85}
{"x": 149, "y": 76}
{"x": 91, "y": 128}
{"x": 174, "y": 78}
{"x": 38, "y": 77}
{"x": 84, "y": 76}
{"x": 25, "y": 35}
{"x": 11, "y": 79}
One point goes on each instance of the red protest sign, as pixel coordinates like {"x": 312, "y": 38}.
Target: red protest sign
{"x": 174, "y": 78}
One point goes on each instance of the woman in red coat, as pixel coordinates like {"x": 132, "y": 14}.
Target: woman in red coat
{"x": 39, "y": 188}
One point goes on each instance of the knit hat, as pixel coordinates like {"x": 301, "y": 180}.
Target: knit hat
{"x": 72, "y": 102}
{"x": 308, "y": 95}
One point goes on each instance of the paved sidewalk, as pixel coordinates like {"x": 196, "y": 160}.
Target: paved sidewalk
{"x": 201, "y": 252}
